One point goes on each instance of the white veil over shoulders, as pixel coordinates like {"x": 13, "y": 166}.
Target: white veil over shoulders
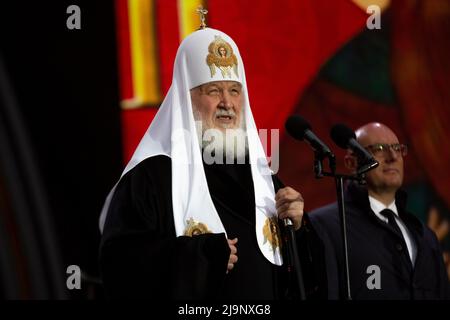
{"x": 173, "y": 133}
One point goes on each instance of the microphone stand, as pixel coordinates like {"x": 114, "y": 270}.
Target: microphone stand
{"x": 293, "y": 258}
{"x": 292, "y": 252}
{"x": 339, "y": 182}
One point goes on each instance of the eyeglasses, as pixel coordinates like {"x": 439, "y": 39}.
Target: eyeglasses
{"x": 383, "y": 149}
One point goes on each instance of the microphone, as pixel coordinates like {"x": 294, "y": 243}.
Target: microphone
{"x": 300, "y": 129}
{"x": 345, "y": 138}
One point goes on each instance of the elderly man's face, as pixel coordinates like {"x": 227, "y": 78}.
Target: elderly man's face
{"x": 218, "y": 104}
{"x": 388, "y": 176}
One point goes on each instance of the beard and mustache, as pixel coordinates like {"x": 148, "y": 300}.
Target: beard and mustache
{"x": 224, "y": 144}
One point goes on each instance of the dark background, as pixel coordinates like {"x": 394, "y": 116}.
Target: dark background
{"x": 63, "y": 85}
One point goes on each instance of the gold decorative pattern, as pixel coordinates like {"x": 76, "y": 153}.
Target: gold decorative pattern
{"x": 221, "y": 56}
{"x": 271, "y": 232}
{"x": 195, "y": 228}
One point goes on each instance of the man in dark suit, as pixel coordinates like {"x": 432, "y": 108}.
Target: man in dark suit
{"x": 392, "y": 255}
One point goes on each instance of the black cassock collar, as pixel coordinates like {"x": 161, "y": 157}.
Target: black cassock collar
{"x": 231, "y": 188}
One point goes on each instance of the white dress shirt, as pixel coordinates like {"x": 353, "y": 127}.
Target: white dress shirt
{"x": 377, "y": 207}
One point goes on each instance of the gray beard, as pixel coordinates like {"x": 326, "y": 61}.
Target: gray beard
{"x": 217, "y": 144}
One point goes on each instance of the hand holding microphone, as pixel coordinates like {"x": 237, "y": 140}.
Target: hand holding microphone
{"x": 289, "y": 205}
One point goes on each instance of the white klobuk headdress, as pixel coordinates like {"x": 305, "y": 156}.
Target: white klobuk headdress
{"x": 200, "y": 59}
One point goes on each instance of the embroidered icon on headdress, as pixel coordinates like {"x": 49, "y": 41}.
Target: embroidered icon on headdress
{"x": 271, "y": 232}
{"x": 221, "y": 56}
{"x": 195, "y": 228}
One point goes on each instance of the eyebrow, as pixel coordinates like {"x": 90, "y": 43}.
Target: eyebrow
{"x": 214, "y": 85}
{"x": 208, "y": 86}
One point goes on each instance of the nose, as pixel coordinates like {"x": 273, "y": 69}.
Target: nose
{"x": 391, "y": 155}
{"x": 225, "y": 100}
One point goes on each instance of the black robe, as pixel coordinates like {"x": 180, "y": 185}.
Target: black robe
{"x": 141, "y": 257}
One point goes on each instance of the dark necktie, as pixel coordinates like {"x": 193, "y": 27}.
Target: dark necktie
{"x": 390, "y": 215}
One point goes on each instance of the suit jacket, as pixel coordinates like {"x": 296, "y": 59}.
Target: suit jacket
{"x": 379, "y": 265}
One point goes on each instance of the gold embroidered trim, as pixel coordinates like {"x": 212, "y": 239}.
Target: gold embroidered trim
{"x": 194, "y": 228}
{"x": 221, "y": 56}
{"x": 271, "y": 232}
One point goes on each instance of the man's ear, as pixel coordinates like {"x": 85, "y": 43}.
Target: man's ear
{"x": 351, "y": 162}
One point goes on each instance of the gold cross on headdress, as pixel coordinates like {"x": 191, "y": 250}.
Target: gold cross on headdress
{"x": 202, "y": 12}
